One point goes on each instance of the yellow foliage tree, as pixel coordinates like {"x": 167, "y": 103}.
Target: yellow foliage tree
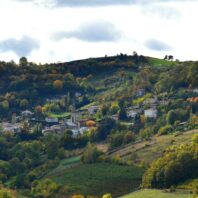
{"x": 58, "y": 84}
{"x": 107, "y": 196}
{"x": 78, "y": 196}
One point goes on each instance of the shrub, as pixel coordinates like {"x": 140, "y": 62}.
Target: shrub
{"x": 165, "y": 130}
{"x": 91, "y": 154}
{"x": 107, "y": 196}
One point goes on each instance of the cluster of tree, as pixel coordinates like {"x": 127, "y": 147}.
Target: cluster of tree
{"x": 118, "y": 138}
{"x": 178, "y": 164}
{"x": 27, "y": 160}
{"x": 91, "y": 154}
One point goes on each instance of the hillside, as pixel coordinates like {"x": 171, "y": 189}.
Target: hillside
{"x": 97, "y": 126}
{"x": 147, "y": 151}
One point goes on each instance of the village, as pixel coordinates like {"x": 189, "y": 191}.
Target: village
{"x": 81, "y": 120}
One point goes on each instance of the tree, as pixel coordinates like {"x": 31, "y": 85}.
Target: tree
{"x": 78, "y": 196}
{"x": 4, "y": 193}
{"x": 195, "y": 191}
{"x": 195, "y": 139}
{"x": 91, "y": 154}
{"x": 23, "y": 61}
{"x": 58, "y": 85}
{"x": 105, "y": 127}
{"x": 192, "y": 76}
{"x": 4, "y": 106}
{"x": 122, "y": 114}
{"x": 45, "y": 188}
{"x": 24, "y": 104}
{"x": 128, "y": 137}
{"x": 107, "y": 196}
{"x": 104, "y": 110}
{"x": 38, "y": 110}
{"x": 52, "y": 144}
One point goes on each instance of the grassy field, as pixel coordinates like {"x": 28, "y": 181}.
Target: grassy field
{"x": 157, "y": 194}
{"x": 189, "y": 185}
{"x": 99, "y": 178}
{"x": 156, "y": 62}
{"x": 61, "y": 115}
{"x": 66, "y": 164}
{"x": 148, "y": 151}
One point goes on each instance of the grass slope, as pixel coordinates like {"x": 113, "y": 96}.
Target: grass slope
{"x": 99, "y": 178}
{"x": 157, "y": 194}
{"x": 66, "y": 164}
{"x": 148, "y": 151}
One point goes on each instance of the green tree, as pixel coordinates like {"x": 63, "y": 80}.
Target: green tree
{"x": 24, "y": 104}
{"x": 91, "y": 154}
{"x": 23, "y": 61}
{"x": 44, "y": 189}
{"x": 122, "y": 114}
{"x": 4, "y": 193}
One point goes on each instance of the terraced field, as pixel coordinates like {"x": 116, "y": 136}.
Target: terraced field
{"x": 147, "y": 151}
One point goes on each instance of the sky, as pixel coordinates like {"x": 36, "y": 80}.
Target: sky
{"x": 49, "y": 31}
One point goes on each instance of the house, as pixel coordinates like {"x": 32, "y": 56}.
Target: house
{"x": 132, "y": 113}
{"x": 150, "y": 113}
{"x": 83, "y": 130}
{"x": 52, "y": 129}
{"x": 51, "y": 121}
{"x": 115, "y": 117}
{"x": 93, "y": 110}
{"x": 195, "y": 90}
{"x": 164, "y": 102}
{"x": 78, "y": 94}
{"x": 79, "y": 131}
{"x": 182, "y": 126}
{"x": 27, "y": 114}
{"x": 70, "y": 125}
{"x": 9, "y": 127}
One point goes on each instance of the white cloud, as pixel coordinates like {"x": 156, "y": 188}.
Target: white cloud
{"x": 96, "y": 31}
{"x": 169, "y": 22}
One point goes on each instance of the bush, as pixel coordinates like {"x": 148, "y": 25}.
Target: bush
{"x": 44, "y": 188}
{"x": 91, "y": 154}
{"x": 107, "y": 196}
{"x": 165, "y": 130}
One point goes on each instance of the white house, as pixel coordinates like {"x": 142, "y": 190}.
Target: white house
{"x": 51, "y": 120}
{"x": 27, "y": 114}
{"x": 52, "y": 129}
{"x": 132, "y": 113}
{"x": 9, "y": 127}
{"x": 150, "y": 113}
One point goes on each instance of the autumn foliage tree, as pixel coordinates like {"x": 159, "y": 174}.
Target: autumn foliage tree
{"x": 58, "y": 85}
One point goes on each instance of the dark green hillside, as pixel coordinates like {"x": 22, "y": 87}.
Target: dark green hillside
{"x": 99, "y": 178}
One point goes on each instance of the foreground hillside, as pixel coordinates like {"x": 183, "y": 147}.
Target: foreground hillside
{"x": 147, "y": 151}
{"x": 157, "y": 194}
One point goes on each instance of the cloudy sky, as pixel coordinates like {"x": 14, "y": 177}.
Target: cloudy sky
{"x": 65, "y": 30}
